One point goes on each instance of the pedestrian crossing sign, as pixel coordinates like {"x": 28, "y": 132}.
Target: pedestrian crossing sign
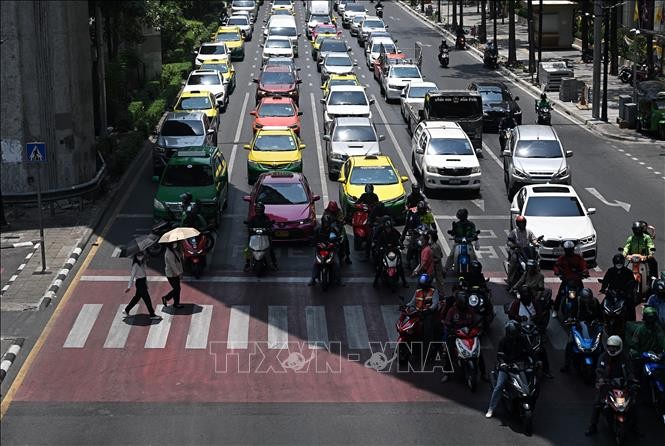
{"x": 36, "y": 152}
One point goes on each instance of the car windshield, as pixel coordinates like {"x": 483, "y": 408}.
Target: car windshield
{"x": 213, "y": 49}
{"x": 449, "y": 146}
{"x": 288, "y": 32}
{"x": 358, "y": 18}
{"x": 333, "y": 46}
{"x": 319, "y": 18}
{"x": 203, "y": 79}
{"x": 221, "y": 67}
{"x": 321, "y": 29}
{"x": 189, "y": 175}
{"x": 272, "y": 77}
{"x": 406, "y": 72}
{"x": 419, "y": 92}
{"x": 182, "y": 128}
{"x": 240, "y": 21}
{"x": 354, "y": 133}
{"x": 280, "y": 110}
{"x": 227, "y": 37}
{"x": 390, "y": 48}
{"x": 340, "y": 61}
{"x": 355, "y": 7}
{"x": 493, "y": 96}
{"x": 197, "y": 103}
{"x": 377, "y": 175}
{"x": 373, "y": 24}
{"x": 282, "y": 193}
{"x": 278, "y": 43}
{"x": 280, "y": 12}
{"x": 347, "y": 98}
{"x": 274, "y": 143}
{"x": 538, "y": 149}
{"x": 553, "y": 207}
{"x": 281, "y": 2}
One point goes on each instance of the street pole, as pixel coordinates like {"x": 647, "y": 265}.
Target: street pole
{"x": 39, "y": 214}
{"x": 597, "y": 37}
{"x": 529, "y": 27}
{"x": 614, "y": 47}
{"x": 101, "y": 69}
{"x": 606, "y": 57}
{"x": 461, "y": 14}
{"x": 540, "y": 39}
{"x": 496, "y": 11}
{"x": 438, "y": 11}
{"x": 483, "y": 22}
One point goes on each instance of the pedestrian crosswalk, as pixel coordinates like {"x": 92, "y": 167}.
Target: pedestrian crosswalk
{"x": 240, "y": 325}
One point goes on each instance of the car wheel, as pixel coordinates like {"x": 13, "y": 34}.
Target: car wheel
{"x": 413, "y": 165}
{"x": 382, "y": 89}
{"x": 401, "y": 111}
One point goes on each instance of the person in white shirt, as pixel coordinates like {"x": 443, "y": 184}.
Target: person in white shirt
{"x": 139, "y": 278}
{"x": 173, "y": 271}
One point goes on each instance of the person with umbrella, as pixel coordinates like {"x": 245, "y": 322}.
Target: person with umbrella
{"x": 138, "y": 277}
{"x": 173, "y": 262}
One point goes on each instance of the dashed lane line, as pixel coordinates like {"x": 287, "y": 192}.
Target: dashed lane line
{"x": 319, "y": 150}
{"x": 232, "y": 159}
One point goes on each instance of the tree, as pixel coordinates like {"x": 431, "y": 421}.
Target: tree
{"x": 482, "y": 35}
{"x": 454, "y": 14}
{"x": 512, "y": 49}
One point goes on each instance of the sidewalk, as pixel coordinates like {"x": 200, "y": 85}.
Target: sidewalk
{"x": 583, "y": 72}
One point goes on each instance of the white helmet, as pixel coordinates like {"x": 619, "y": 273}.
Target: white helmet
{"x": 568, "y": 244}
{"x": 614, "y": 345}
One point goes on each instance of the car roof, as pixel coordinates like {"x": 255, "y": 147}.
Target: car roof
{"x": 550, "y": 190}
{"x": 534, "y": 131}
{"x": 410, "y": 65}
{"x": 422, "y": 84}
{"x": 185, "y": 116}
{"x": 195, "y": 94}
{"x": 272, "y": 131}
{"x": 373, "y": 17}
{"x": 351, "y": 121}
{"x": 447, "y": 133}
{"x": 193, "y": 155}
{"x": 228, "y": 29}
{"x": 213, "y": 44}
{"x": 203, "y": 71}
{"x": 371, "y": 160}
{"x": 273, "y": 37}
{"x": 277, "y": 69}
{"x": 491, "y": 85}
{"x": 431, "y": 125}
{"x": 276, "y": 100}
{"x": 338, "y": 54}
{"x": 381, "y": 39}
{"x": 347, "y": 88}
{"x": 282, "y": 177}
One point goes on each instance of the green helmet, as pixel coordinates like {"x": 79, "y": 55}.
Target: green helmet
{"x": 650, "y": 315}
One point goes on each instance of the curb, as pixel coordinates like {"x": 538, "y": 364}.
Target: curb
{"x": 46, "y": 299}
{"x": 29, "y": 244}
{"x": 21, "y": 266}
{"x": 588, "y": 123}
{"x": 9, "y": 357}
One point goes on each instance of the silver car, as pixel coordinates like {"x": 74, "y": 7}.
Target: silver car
{"x": 348, "y": 137}
{"x": 534, "y": 154}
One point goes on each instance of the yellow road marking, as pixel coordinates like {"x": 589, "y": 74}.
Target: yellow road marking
{"x": 22, "y": 373}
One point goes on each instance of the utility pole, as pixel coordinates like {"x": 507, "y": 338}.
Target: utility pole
{"x": 461, "y": 14}
{"x": 529, "y": 28}
{"x": 540, "y": 39}
{"x": 606, "y": 61}
{"x": 512, "y": 50}
{"x": 614, "y": 45}
{"x": 101, "y": 68}
{"x": 454, "y": 15}
{"x": 438, "y": 11}
{"x": 585, "y": 25}
{"x": 496, "y": 11}
{"x": 482, "y": 37}
{"x": 597, "y": 37}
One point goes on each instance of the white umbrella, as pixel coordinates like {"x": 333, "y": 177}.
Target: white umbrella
{"x": 177, "y": 234}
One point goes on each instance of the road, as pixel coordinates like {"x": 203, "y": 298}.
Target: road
{"x": 228, "y": 368}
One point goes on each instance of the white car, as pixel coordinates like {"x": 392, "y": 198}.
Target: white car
{"x": 351, "y": 10}
{"x": 345, "y": 100}
{"x": 277, "y": 46}
{"x": 349, "y": 137}
{"x": 370, "y": 24}
{"x": 396, "y": 79}
{"x": 556, "y": 212}
{"x": 244, "y": 5}
{"x": 354, "y": 27}
{"x": 374, "y": 49}
{"x": 316, "y": 20}
{"x": 336, "y": 63}
{"x": 282, "y": 4}
{"x": 208, "y": 80}
{"x": 443, "y": 156}
{"x": 242, "y": 22}
{"x": 414, "y": 95}
{"x": 210, "y": 51}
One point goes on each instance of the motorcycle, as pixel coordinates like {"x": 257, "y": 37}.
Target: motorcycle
{"x": 379, "y": 11}
{"x": 462, "y": 253}
{"x": 521, "y": 391}
{"x": 361, "y": 227}
{"x": 653, "y": 367}
{"x": 415, "y": 244}
{"x": 570, "y": 290}
{"x": 480, "y": 301}
{"x": 259, "y": 249}
{"x": 614, "y": 313}
{"x": 617, "y": 406}
{"x": 626, "y": 74}
{"x": 412, "y": 333}
{"x": 638, "y": 264}
{"x": 460, "y": 42}
{"x": 586, "y": 347}
{"x": 467, "y": 354}
{"x": 490, "y": 58}
{"x": 325, "y": 257}
{"x": 544, "y": 115}
{"x": 391, "y": 262}
{"x": 444, "y": 58}
{"x": 194, "y": 251}
{"x": 523, "y": 255}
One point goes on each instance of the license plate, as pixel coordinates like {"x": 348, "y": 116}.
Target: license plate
{"x": 557, "y": 251}
{"x": 454, "y": 181}
{"x": 282, "y": 234}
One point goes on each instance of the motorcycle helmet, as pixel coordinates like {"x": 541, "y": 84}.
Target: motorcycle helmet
{"x": 637, "y": 228}
{"x": 424, "y": 281}
{"x": 421, "y": 207}
{"x": 543, "y": 97}
{"x": 659, "y": 287}
{"x": 476, "y": 267}
{"x": 332, "y": 237}
{"x": 388, "y": 223}
{"x": 614, "y": 345}
{"x": 332, "y": 207}
{"x": 586, "y": 297}
{"x": 568, "y": 248}
{"x": 415, "y": 188}
{"x": 531, "y": 264}
{"x": 369, "y": 188}
{"x": 618, "y": 261}
{"x": 512, "y": 329}
{"x": 461, "y": 300}
{"x": 259, "y": 208}
{"x": 520, "y": 222}
{"x": 462, "y": 214}
{"x": 650, "y": 316}
{"x": 186, "y": 199}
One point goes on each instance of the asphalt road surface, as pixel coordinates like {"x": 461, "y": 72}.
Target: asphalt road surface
{"x": 242, "y": 362}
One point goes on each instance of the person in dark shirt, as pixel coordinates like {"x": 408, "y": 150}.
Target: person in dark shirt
{"x": 260, "y": 220}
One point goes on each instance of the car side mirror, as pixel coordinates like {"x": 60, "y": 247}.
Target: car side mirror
{"x": 591, "y": 211}
{"x": 404, "y": 179}
{"x": 348, "y": 49}
{"x": 302, "y": 146}
{"x": 516, "y": 98}
{"x": 341, "y": 179}
{"x": 195, "y": 52}
{"x": 299, "y": 113}
{"x": 514, "y": 211}
{"x": 247, "y": 198}
{"x": 382, "y": 137}
{"x": 395, "y": 40}
{"x": 326, "y": 137}
{"x": 371, "y": 101}
{"x": 505, "y": 153}
{"x": 419, "y": 151}
{"x": 316, "y": 197}
{"x": 355, "y": 64}
{"x": 402, "y": 95}
{"x": 255, "y": 80}
{"x": 155, "y": 178}
{"x": 299, "y": 81}
{"x": 247, "y": 147}
{"x": 569, "y": 153}
{"x": 211, "y": 131}
{"x": 253, "y": 113}
{"x": 387, "y": 26}
{"x": 323, "y": 101}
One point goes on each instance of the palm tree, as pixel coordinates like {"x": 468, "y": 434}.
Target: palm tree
{"x": 512, "y": 50}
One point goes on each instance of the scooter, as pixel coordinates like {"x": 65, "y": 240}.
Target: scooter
{"x": 617, "y": 406}
{"x": 544, "y": 115}
{"x": 391, "y": 262}
{"x": 444, "y": 58}
{"x": 491, "y": 59}
{"x": 361, "y": 227}
{"x": 462, "y": 253}
{"x": 570, "y": 291}
{"x": 480, "y": 301}
{"x": 653, "y": 367}
{"x": 626, "y": 74}
{"x": 379, "y": 11}
{"x": 325, "y": 257}
{"x": 259, "y": 249}
{"x": 415, "y": 244}
{"x": 638, "y": 263}
{"x": 194, "y": 251}
{"x": 414, "y": 333}
{"x": 523, "y": 255}
{"x": 586, "y": 347}
{"x": 521, "y": 391}
{"x": 614, "y": 313}
{"x": 467, "y": 354}
{"x": 460, "y": 42}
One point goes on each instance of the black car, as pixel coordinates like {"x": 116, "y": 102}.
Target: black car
{"x": 498, "y": 103}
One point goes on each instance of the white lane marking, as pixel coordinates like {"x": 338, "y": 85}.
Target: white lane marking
{"x": 390, "y": 313}
{"x": 232, "y": 159}
{"x": 356, "y": 329}
{"x": 480, "y": 203}
{"x": 317, "y": 327}
{"x": 82, "y": 326}
{"x": 159, "y": 330}
{"x": 120, "y": 328}
{"x": 642, "y": 163}
{"x": 496, "y": 159}
{"x": 199, "y": 326}
{"x": 278, "y": 327}
{"x": 649, "y": 168}
{"x": 593, "y": 191}
{"x": 319, "y": 150}
{"x": 238, "y": 336}
{"x": 116, "y": 252}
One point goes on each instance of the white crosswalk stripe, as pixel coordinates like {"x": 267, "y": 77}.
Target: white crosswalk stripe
{"x": 85, "y": 320}
{"x": 278, "y": 331}
{"x": 199, "y": 326}
{"x": 356, "y": 330}
{"x": 238, "y": 336}
{"x": 317, "y": 327}
{"x": 119, "y": 332}
{"x": 390, "y": 313}
{"x": 159, "y": 330}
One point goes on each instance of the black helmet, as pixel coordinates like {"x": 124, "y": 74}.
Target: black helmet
{"x": 476, "y": 267}
{"x": 568, "y": 248}
{"x": 462, "y": 214}
{"x": 512, "y": 329}
{"x": 461, "y": 300}
{"x": 369, "y": 188}
{"x": 638, "y": 228}
{"x": 415, "y": 187}
{"x": 531, "y": 264}
{"x": 586, "y": 296}
{"x": 186, "y": 199}
{"x": 659, "y": 287}
{"x": 650, "y": 316}
{"x": 259, "y": 208}
{"x": 543, "y": 96}
{"x": 326, "y": 220}
{"x": 618, "y": 259}
{"x": 388, "y": 222}
{"x": 421, "y": 207}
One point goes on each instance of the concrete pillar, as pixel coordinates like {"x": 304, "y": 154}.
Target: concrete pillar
{"x": 46, "y": 90}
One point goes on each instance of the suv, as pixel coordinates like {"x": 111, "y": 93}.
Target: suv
{"x": 345, "y": 100}
{"x": 369, "y": 25}
{"x": 208, "y": 80}
{"x": 396, "y": 79}
{"x": 534, "y": 154}
{"x": 181, "y": 129}
{"x": 498, "y": 103}
{"x": 348, "y": 137}
{"x": 443, "y": 156}
{"x": 201, "y": 171}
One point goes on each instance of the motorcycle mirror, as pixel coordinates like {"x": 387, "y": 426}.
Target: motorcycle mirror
{"x": 247, "y": 198}
{"x": 382, "y": 137}
{"x": 517, "y": 98}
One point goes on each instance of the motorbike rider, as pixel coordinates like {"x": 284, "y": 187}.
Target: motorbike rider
{"x": 532, "y": 278}
{"x": 327, "y": 232}
{"x": 387, "y": 236}
{"x": 336, "y": 213}
{"x": 422, "y": 216}
{"x": 543, "y": 102}
{"x": 443, "y": 46}
{"x": 641, "y": 243}
{"x": 475, "y": 276}
{"x": 507, "y": 123}
{"x": 460, "y": 36}
{"x": 426, "y": 265}
{"x": 463, "y": 227}
{"x": 619, "y": 278}
{"x": 657, "y": 299}
{"x": 260, "y": 220}
{"x": 426, "y": 301}
{"x": 415, "y": 197}
{"x": 571, "y": 267}
{"x": 368, "y": 197}
{"x": 612, "y": 364}
{"x": 457, "y": 317}
{"x": 589, "y": 311}
{"x": 512, "y": 348}
{"x": 192, "y": 218}
{"x": 648, "y": 336}
{"x": 520, "y": 240}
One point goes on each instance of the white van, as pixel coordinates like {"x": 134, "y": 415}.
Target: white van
{"x": 318, "y": 8}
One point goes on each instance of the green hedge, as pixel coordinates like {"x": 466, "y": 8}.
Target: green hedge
{"x": 119, "y": 151}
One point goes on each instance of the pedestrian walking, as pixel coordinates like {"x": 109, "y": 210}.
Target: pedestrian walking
{"x": 138, "y": 277}
{"x": 173, "y": 271}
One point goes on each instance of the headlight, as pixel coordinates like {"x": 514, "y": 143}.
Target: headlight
{"x": 158, "y": 205}
{"x": 199, "y": 61}
{"x": 562, "y": 173}
{"x": 475, "y": 169}
{"x": 305, "y": 221}
{"x": 519, "y": 173}
{"x": 474, "y": 300}
{"x": 485, "y": 114}
{"x": 587, "y": 240}
{"x": 432, "y": 169}
{"x": 578, "y": 343}
{"x": 599, "y": 336}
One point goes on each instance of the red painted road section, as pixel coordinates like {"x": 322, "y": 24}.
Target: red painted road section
{"x": 173, "y": 373}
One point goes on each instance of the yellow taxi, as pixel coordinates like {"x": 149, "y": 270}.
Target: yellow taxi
{"x": 225, "y": 67}
{"x": 203, "y": 101}
{"x": 273, "y": 148}
{"x": 339, "y": 79}
{"x": 234, "y": 40}
{"x": 379, "y": 171}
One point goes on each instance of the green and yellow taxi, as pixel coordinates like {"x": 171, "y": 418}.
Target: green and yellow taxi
{"x": 339, "y": 79}
{"x": 201, "y": 171}
{"x": 225, "y": 67}
{"x": 203, "y": 101}
{"x": 378, "y": 170}
{"x": 273, "y": 149}
{"x": 234, "y": 40}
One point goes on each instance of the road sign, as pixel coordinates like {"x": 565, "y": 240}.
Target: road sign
{"x": 36, "y": 152}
